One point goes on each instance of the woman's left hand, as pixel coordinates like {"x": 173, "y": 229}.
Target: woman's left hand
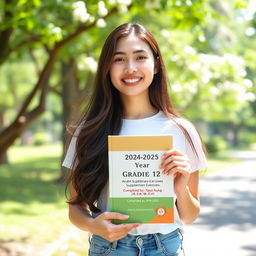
{"x": 177, "y": 164}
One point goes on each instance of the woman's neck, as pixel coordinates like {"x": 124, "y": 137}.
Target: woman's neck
{"x": 137, "y": 108}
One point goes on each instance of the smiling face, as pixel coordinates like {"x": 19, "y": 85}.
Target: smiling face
{"x": 133, "y": 67}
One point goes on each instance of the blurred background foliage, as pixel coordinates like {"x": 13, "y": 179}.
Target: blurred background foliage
{"x": 48, "y": 58}
{"x": 49, "y": 52}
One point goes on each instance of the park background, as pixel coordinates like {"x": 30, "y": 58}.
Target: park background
{"x": 48, "y": 58}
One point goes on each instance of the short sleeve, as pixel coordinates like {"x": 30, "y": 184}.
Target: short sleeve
{"x": 198, "y": 161}
{"x": 71, "y": 152}
{"x": 70, "y": 155}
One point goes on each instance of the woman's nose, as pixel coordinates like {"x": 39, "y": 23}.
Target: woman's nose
{"x": 130, "y": 67}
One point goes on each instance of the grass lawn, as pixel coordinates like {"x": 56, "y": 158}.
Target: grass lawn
{"x": 33, "y": 215}
{"x": 33, "y": 210}
{"x": 219, "y": 162}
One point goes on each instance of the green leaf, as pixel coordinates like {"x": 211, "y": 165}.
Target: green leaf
{"x": 241, "y": 3}
{"x": 22, "y": 2}
{"x": 37, "y": 3}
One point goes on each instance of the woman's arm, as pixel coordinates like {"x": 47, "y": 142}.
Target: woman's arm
{"x": 185, "y": 184}
{"x": 100, "y": 225}
{"x": 188, "y": 204}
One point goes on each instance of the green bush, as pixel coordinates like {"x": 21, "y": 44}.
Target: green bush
{"x": 40, "y": 138}
{"x": 215, "y": 144}
{"x": 247, "y": 139}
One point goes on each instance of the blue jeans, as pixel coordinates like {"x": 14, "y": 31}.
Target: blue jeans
{"x": 141, "y": 245}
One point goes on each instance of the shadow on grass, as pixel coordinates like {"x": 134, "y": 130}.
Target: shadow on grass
{"x": 31, "y": 181}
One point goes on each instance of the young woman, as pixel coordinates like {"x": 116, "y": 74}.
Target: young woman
{"x": 130, "y": 98}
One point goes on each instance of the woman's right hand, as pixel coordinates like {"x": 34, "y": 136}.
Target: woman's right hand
{"x": 102, "y": 226}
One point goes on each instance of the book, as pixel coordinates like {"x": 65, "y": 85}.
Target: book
{"x": 137, "y": 186}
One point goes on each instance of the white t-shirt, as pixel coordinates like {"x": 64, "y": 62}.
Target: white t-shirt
{"x": 158, "y": 124}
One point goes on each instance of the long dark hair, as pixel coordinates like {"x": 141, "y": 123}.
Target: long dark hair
{"x": 103, "y": 117}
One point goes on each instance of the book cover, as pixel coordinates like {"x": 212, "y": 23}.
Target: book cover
{"x": 137, "y": 186}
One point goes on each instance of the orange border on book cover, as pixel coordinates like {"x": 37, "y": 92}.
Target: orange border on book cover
{"x": 139, "y": 143}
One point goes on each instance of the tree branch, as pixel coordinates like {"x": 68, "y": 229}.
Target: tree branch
{"x": 42, "y": 82}
{"x": 35, "y": 60}
{"x": 44, "y": 77}
{"x": 25, "y": 42}
{"x": 54, "y": 90}
{"x": 5, "y": 35}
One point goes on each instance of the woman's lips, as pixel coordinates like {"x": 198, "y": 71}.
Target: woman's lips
{"x": 132, "y": 81}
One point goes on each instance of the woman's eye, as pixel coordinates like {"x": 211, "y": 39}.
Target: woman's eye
{"x": 118, "y": 59}
{"x": 141, "y": 57}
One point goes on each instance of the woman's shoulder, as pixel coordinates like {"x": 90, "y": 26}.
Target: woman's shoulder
{"x": 188, "y": 126}
{"x": 180, "y": 120}
{"x": 185, "y": 123}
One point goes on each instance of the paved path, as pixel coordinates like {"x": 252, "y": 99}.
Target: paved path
{"x": 227, "y": 222}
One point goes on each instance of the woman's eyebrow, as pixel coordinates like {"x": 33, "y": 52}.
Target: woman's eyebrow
{"x": 123, "y": 53}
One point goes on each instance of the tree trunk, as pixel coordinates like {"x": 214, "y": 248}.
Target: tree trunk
{"x": 5, "y": 34}
{"x": 68, "y": 69}
{"x": 72, "y": 98}
{"x": 235, "y": 130}
{"x": 25, "y": 117}
{"x": 4, "y": 157}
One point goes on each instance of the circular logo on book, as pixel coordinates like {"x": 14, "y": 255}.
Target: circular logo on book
{"x": 160, "y": 211}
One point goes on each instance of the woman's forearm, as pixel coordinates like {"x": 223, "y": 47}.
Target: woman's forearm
{"x": 80, "y": 218}
{"x": 188, "y": 206}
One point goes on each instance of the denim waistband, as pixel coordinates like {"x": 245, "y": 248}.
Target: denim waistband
{"x": 137, "y": 240}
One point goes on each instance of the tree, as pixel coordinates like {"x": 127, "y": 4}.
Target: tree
{"x": 16, "y": 33}
{"x": 52, "y": 25}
